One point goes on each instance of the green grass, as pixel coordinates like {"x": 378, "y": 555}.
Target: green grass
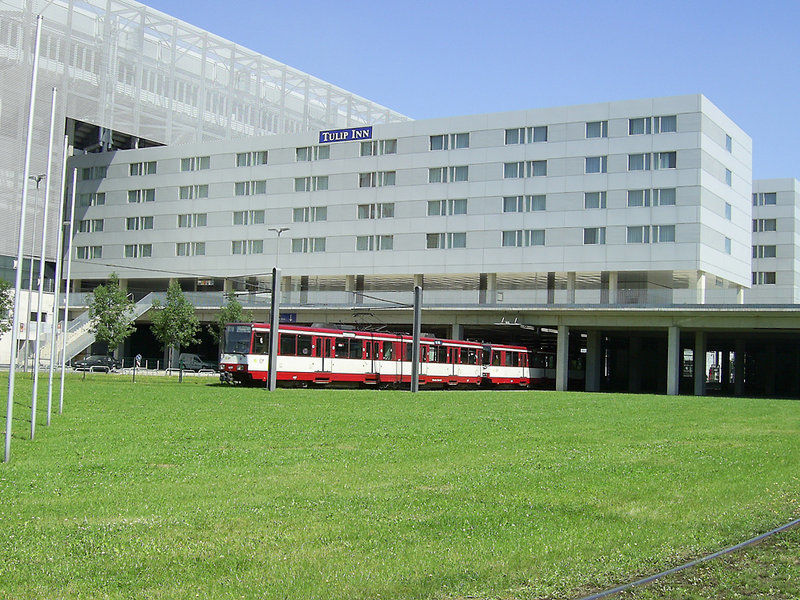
{"x": 161, "y": 490}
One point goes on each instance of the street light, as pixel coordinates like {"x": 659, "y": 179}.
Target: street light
{"x": 278, "y": 231}
{"x": 38, "y": 179}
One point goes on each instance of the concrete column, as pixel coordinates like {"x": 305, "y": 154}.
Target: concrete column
{"x": 700, "y": 363}
{"x": 350, "y": 283}
{"x": 738, "y": 369}
{"x": 594, "y": 360}
{"x": 457, "y": 331}
{"x": 76, "y": 285}
{"x": 673, "y": 361}
{"x": 123, "y": 285}
{"x": 562, "y": 358}
{"x": 571, "y": 278}
{"x": 491, "y": 288}
{"x": 227, "y": 286}
{"x": 634, "y": 365}
{"x": 613, "y": 287}
{"x": 740, "y": 295}
{"x": 725, "y": 370}
{"x": 419, "y": 280}
{"x": 700, "y": 288}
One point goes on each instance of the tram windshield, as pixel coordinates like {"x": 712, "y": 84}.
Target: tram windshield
{"x": 237, "y": 339}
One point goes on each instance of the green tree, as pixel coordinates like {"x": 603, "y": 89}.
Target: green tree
{"x": 175, "y": 323}
{"x": 110, "y": 313}
{"x": 6, "y": 306}
{"x": 232, "y": 312}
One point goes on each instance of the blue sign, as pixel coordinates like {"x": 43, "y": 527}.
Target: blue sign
{"x": 288, "y": 317}
{"x": 345, "y": 135}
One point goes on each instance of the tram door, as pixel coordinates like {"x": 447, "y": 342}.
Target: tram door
{"x": 326, "y": 351}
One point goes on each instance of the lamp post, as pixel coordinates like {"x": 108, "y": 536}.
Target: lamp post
{"x": 278, "y": 231}
{"x": 38, "y": 179}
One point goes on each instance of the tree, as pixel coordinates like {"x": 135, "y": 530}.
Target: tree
{"x": 232, "y": 312}
{"x": 175, "y": 324}
{"x": 110, "y": 313}
{"x": 6, "y": 306}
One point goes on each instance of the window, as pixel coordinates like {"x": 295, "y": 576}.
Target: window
{"x": 763, "y": 277}
{"x": 531, "y": 168}
{"x": 446, "y": 174}
{"x": 765, "y": 199}
{"x": 311, "y": 184}
{"x": 728, "y": 211}
{"x": 447, "y": 207}
{"x": 190, "y": 192}
{"x": 251, "y": 159}
{"x": 98, "y": 172}
{"x": 309, "y": 153}
{"x": 138, "y": 250}
{"x": 87, "y": 252}
{"x": 728, "y": 177}
{"x": 196, "y": 163}
{"x": 594, "y": 235}
{"x": 376, "y": 147}
{"x": 665, "y": 124}
{"x": 760, "y": 225}
{"x": 665, "y": 160}
{"x": 639, "y": 126}
{"x": 446, "y": 240}
{"x": 248, "y": 217}
{"x": 639, "y": 162}
{"x": 94, "y": 199}
{"x": 247, "y": 247}
{"x": 143, "y": 168}
{"x": 523, "y": 237}
{"x": 727, "y": 245}
{"x": 379, "y": 210}
{"x": 450, "y": 141}
{"x": 663, "y": 233}
{"x": 310, "y": 214}
{"x": 308, "y": 244}
{"x": 136, "y": 196}
{"x": 596, "y": 164}
{"x": 638, "y": 198}
{"x": 728, "y": 143}
{"x": 190, "y": 249}
{"x": 374, "y": 242}
{"x": 137, "y": 223}
{"x": 594, "y": 199}
{"x": 90, "y": 225}
{"x": 597, "y": 129}
{"x": 769, "y": 251}
{"x": 193, "y": 220}
{"x": 664, "y": 197}
{"x": 639, "y": 234}
{"x": 526, "y": 135}
{"x": 524, "y": 203}
{"x": 377, "y": 179}
{"x": 250, "y": 188}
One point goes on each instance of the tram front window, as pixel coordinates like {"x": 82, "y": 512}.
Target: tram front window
{"x": 237, "y": 339}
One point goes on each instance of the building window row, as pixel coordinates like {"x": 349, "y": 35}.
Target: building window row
{"x": 652, "y": 160}
{"x": 378, "y": 147}
{"x": 190, "y": 249}
{"x": 646, "y": 125}
{"x": 442, "y": 208}
{"x": 368, "y": 243}
{"x": 530, "y": 203}
{"x": 377, "y": 179}
{"x": 763, "y": 277}
{"x": 523, "y": 237}
{"x": 307, "y": 245}
{"x": 193, "y": 220}
{"x": 195, "y": 163}
{"x": 449, "y": 141}
{"x": 96, "y": 172}
{"x": 650, "y": 234}
{"x": 138, "y": 250}
{"x": 90, "y": 225}
{"x": 191, "y": 192}
{"x": 656, "y": 197}
{"x": 526, "y": 135}
{"x": 594, "y": 199}
{"x": 594, "y": 235}
{"x": 596, "y": 164}
{"x": 446, "y": 240}
{"x": 87, "y": 252}
{"x": 142, "y": 168}
{"x": 249, "y": 217}
{"x": 309, "y": 153}
{"x": 138, "y": 223}
{"x": 251, "y": 159}
{"x": 137, "y": 196}
{"x": 760, "y": 225}
{"x": 311, "y": 184}
{"x": 93, "y": 199}
{"x": 597, "y": 129}
{"x": 376, "y": 210}
{"x": 765, "y": 251}
{"x": 765, "y": 199}
{"x": 247, "y": 247}
{"x": 528, "y": 168}
{"x": 250, "y": 188}
{"x": 310, "y": 214}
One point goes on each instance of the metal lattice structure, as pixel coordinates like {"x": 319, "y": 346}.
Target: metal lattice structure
{"x": 124, "y": 67}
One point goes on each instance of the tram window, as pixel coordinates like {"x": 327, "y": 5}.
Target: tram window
{"x": 260, "y": 342}
{"x": 388, "y": 350}
{"x": 439, "y": 354}
{"x": 487, "y": 354}
{"x": 407, "y": 354}
{"x": 512, "y": 359}
{"x": 376, "y": 350}
{"x": 304, "y": 345}
{"x": 288, "y": 344}
{"x": 496, "y": 358}
{"x": 472, "y": 357}
{"x": 356, "y": 350}
{"x": 341, "y": 348}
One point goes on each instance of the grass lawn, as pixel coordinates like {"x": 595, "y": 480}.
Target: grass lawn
{"x": 161, "y": 490}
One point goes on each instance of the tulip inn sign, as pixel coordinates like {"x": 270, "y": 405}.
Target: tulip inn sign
{"x": 345, "y": 135}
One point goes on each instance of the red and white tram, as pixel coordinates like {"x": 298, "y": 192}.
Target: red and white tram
{"x": 321, "y": 355}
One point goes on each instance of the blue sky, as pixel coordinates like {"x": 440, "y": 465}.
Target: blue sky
{"x": 434, "y": 59}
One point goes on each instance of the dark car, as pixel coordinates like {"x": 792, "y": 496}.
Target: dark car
{"x": 97, "y": 362}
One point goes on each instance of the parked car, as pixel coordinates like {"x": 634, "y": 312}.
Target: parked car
{"x": 98, "y": 362}
{"x": 193, "y": 362}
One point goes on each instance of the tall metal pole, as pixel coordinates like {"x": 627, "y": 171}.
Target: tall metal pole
{"x": 57, "y": 290}
{"x": 66, "y": 292}
{"x": 38, "y": 180}
{"x": 415, "y": 340}
{"x": 20, "y": 245}
{"x": 35, "y": 393}
{"x": 272, "y": 376}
